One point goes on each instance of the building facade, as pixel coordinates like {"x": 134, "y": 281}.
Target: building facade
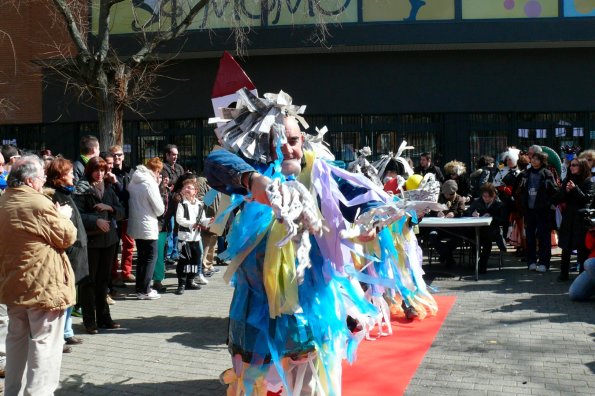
{"x": 458, "y": 78}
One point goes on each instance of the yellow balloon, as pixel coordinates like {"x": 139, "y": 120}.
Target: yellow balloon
{"x": 413, "y": 182}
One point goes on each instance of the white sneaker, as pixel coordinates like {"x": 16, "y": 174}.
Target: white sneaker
{"x": 541, "y": 268}
{"x": 154, "y": 292}
{"x": 148, "y": 296}
{"x": 201, "y": 280}
{"x": 533, "y": 267}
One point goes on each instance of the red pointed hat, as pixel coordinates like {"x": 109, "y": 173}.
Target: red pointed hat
{"x": 230, "y": 77}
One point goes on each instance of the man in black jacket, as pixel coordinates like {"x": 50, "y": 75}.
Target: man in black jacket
{"x": 122, "y": 176}
{"x": 537, "y": 187}
{"x": 426, "y": 166}
{"x": 171, "y": 172}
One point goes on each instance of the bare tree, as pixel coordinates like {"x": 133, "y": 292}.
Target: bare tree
{"x": 112, "y": 80}
{"x": 6, "y": 104}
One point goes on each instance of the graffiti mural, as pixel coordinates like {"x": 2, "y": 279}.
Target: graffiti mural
{"x": 158, "y": 15}
{"x": 407, "y": 10}
{"x": 579, "y": 8}
{"x": 306, "y": 12}
{"x": 504, "y": 9}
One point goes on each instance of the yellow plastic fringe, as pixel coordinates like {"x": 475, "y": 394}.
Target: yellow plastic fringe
{"x": 305, "y": 176}
{"x": 279, "y": 274}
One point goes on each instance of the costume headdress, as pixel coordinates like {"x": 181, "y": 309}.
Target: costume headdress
{"x": 315, "y": 142}
{"x": 362, "y": 165}
{"x": 395, "y": 162}
{"x": 249, "y": 124}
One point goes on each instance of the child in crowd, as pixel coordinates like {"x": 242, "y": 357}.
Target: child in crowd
{"x": 190, "y": 216}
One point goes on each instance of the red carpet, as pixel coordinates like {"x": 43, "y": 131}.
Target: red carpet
{"x": 385, "y": 366}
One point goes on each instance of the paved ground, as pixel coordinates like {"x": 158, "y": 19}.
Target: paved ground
{"x": 513, "y": 332}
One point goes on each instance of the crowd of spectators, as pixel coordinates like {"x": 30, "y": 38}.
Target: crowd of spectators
{"x": 533, "y": 206}
{"x": 75, "y": 226}
{"x": 100, "y": 210}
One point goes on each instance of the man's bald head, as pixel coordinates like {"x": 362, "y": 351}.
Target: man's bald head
{"x": 292, "y": 149}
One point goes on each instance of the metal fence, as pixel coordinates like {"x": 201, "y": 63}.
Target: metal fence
{"x": 462, "y": 136}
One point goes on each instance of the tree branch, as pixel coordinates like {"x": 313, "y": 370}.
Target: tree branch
{"x": 73, "y": 28}
{"x": 174, "y": 32}
{"x": 103, "y": 34}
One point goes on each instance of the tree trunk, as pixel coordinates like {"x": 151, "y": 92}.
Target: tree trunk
{"x": 110, "y": 122}
{"x": 110, "y": 108}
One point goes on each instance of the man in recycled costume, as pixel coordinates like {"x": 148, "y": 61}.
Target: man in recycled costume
{"x": 390, "y": 265}
{"x": 292, "y": 295}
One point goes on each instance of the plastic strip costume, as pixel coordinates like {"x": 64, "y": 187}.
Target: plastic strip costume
{"x": 287, "y": 327}
{"x": 391, "y": 265}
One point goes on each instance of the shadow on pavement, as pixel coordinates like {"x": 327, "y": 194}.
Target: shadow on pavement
{"x": 202, "y": 332}
{"x": 75, "y": 384}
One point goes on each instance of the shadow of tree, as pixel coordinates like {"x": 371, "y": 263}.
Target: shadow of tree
{"x": 194, "y": 332}
{"x": 76, "y": 384}
{"x": 528, "y": 299}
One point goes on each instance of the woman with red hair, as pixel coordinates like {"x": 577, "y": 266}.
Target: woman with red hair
{"x": 60, "y": 180}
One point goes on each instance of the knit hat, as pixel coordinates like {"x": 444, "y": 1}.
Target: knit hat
{"x": 449, "y": 187}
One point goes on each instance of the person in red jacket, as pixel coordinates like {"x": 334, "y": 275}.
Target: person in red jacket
{"x": 583, "y": 287}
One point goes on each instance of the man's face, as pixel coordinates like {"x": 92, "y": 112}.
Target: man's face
{"x": 38, "y": 181}
{"x": 110, "y": 163}
{"x": 172, "y": 156}
{"x": 292, "y": 150}
{"x": 487, "y": 198}
{"x": 118, "y": 158}
{"x": 424, "y": 162}
{"x": 95, "y": 152}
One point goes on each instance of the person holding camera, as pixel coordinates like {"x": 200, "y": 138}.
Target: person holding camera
{"x": 577, "y": 195}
